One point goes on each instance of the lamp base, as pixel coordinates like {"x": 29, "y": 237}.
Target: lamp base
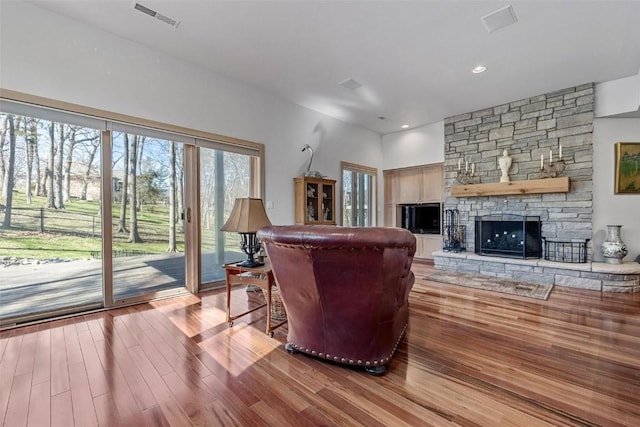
{"x": 249, "y": 263}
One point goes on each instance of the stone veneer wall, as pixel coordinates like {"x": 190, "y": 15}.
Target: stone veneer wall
{"x": 527, "y": 128}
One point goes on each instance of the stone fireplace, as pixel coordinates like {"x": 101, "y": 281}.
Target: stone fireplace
{"x": 527, "y": 128}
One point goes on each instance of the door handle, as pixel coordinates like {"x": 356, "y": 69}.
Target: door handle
{"x": 189, "y": 215}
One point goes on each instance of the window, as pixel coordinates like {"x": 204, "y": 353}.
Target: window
{"x": 358, "y": 195}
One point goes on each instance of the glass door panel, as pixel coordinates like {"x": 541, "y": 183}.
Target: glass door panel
{"x": 357, "y": 199}
{"x": 224, "y": 176}
{"x": 50, "y": 226}
{"x": 147, "y": 204}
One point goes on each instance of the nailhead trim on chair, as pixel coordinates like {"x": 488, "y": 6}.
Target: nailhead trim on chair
{"x": 351, "y": 361}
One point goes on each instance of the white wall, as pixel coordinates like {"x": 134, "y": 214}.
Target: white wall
{"x": 415, "y": 147}
{"x": 49, "y": 55}
{"x": 608, "y": 207}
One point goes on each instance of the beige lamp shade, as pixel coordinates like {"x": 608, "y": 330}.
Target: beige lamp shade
{"x": 248, "y": 216}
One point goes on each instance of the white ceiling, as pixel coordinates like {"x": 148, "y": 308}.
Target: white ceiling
{"x": 414, "y": 59}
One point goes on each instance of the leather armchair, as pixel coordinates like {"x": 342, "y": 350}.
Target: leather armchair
{"x": 345, "y": 290}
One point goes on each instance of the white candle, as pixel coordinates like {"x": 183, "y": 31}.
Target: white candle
{"x": 466, "y": 166}
{"x": 473, "y": 168}
{"x": 560, "y": 152}
{"x": 459, "y": 162}
{"x": 550, "y": 157}
{"x": 541, "y": 161}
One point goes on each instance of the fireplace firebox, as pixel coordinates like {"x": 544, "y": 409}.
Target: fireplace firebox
{"x": 508, "y": 235}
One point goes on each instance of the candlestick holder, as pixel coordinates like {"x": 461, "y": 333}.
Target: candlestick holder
{"x": 466, "y": 177}
{"x": 553, "y": 170}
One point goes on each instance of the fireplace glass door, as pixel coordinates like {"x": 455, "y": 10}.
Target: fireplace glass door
{"x": 510, "y": 235}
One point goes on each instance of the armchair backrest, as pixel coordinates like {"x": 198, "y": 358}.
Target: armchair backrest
{"x": 345, "y": 289}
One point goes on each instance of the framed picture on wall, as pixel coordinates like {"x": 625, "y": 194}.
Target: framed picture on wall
{"x": 627, "y": 168}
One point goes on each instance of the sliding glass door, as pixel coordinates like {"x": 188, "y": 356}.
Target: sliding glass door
{"x": 147, "y": 200}
{"x": 224, "y": 176}
{"x": 97, "y": 213}
{"x": 50, "y": 214}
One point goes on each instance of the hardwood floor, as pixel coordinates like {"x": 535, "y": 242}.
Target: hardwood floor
{"x": 471, "y": 358}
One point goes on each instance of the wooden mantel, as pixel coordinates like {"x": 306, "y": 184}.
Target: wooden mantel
{"x": 532, "y": 186}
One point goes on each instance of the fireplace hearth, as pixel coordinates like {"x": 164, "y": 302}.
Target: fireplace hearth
{"x": 508, "y": 235}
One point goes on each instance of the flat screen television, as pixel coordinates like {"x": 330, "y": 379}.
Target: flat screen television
{"x": 423, "y": 218}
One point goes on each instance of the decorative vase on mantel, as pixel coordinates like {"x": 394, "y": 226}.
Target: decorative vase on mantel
{"x": 613, "y": 248}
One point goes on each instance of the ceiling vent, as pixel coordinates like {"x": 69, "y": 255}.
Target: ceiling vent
{"x": 501, "y": 18}
{"x": 141, "y": 8}
{"x": 350, "y": 84}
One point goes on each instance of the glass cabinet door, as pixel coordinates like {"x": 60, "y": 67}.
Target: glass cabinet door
{"x": 327, "y": 202}
{"x": 312, "y": 202}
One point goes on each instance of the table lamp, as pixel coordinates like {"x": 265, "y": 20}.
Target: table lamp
{"x": 247, "y": 217}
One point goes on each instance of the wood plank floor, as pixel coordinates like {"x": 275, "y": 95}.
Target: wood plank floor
{"x": 470, "y": 358}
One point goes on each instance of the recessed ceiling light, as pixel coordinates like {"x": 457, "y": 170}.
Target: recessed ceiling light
{"x": 404, "y": 126}
{"x": 479, "y": 69}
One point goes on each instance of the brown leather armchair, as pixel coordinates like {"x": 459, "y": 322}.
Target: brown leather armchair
{"x": 345, "y": 290}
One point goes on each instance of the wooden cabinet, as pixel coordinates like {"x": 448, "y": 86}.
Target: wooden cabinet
{"x": 426, "y": 244}
{"x": 389, "y": 178}
{"x": 315, "y": 200}
{"x": 431, "y": 183}
{"x": 420, "y": 184}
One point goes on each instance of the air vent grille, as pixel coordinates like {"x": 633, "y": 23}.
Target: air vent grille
{"x": 167, "y": 20}
{"x": 501, "y": 18}
{"x": 350, "y": 84}
{"x": 142, "y": 8}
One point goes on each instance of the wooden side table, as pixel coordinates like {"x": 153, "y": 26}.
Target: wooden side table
{"x": 258, "y": 276}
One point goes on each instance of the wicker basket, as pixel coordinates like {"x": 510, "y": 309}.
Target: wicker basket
{"x": 277, "y": 308}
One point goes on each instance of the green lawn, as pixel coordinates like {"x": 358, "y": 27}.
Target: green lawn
{"x": 74, "y": 232}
